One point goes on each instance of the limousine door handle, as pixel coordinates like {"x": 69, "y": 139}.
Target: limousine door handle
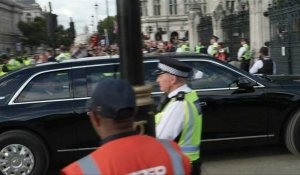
{"x": 203, "y": 103}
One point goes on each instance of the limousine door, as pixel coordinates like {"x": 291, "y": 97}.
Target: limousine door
{"x": 230, "y": 113}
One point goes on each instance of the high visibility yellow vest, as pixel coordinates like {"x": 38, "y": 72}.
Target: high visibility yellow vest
{"x": 185, "y": 48}
{"x": 63, "y": 56}
{"x": 27, "y": 61}
{"x": 13, "y": 64}
{"x": 198, "y": 48}
{"x": 190, "y": 137}
{"x": 214, "y": 49}
{"x": 247, "y": 54}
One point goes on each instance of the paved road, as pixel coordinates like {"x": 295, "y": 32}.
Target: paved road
{"x": 267, "y": 160}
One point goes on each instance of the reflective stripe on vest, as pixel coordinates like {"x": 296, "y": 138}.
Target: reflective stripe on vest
{"x": 175, "y": 157}
{"x": 88, "y": 166}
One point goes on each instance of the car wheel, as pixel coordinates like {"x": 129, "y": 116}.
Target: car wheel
{"x": 292, "y": 134}
{"x": 22, "y": 153}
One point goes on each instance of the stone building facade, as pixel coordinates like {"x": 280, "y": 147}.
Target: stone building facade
{"x": 165, "y": 19}
{"x": 197, "y": 20}
{"x": 10, "y": 15}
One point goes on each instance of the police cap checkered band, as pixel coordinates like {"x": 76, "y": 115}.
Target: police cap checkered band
{"x": 173, "y": 71}
{"x": 174, "y": 66}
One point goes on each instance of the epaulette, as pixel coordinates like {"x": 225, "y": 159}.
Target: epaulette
{"x": 180, "y": 96}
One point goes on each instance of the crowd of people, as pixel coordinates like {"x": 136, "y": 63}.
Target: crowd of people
{"x": 10, "y": 62}
{"x": 261, "y": 65}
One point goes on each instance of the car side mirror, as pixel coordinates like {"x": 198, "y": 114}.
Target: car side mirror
{"x": 245, "y": 83}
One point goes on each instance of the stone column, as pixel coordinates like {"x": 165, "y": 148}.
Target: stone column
{"x": 218, "y": 15}
{"x": 193, "y": 22}
{"x": 259, "y": 24}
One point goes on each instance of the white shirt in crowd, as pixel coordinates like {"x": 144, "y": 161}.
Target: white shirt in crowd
{"x": 258, "y": 64}
{"x": 210, "y": 48}
{"x": 241, "y": 51}
{"x": 171, "y": 123}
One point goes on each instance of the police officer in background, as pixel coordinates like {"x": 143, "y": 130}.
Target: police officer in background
{"x": 213, "y": 47}
{"x": 244, "y": 55}
{"x": 264, "y": 64}
{"x": 122, "y": 150}
{"x": 180, "y": 117}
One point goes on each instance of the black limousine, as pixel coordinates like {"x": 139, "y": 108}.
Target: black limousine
{"x": 43, "y": 109}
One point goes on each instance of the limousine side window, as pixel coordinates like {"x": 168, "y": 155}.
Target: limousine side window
{"x": 95, "y": 74}
{"x": 149, "y": 76}
{"x": 47, "y": 86}
{"x": 208, "y": 75}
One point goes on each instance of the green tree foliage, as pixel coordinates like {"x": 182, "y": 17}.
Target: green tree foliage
{"x": 62, "y": 36}
{"x": 109, "y": 24}
{"x": 34, "y": 32}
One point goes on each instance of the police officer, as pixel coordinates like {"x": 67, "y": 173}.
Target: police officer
{"x": 63, "y": 55}
{"x": 180, "y": 117}
{"x": 123, "y": 151}
{"x": 213, "y": 47}
{"x": 244, "y": 55}
{"x": 263, "y": 65}
{"x": 199, "y": 47}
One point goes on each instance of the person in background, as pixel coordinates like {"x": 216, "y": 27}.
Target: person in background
{"x": 50, "y": 56}
{"x": 63, "y": 54}
{"x": 213, "y": 48}
{"x": 264, "y": 64}
{"x": 222, "y": 52}
{"x": 123, "y": 150}
{"x": 41, "y": 59}
{"x": 199, "y": 47}
{"x": 180, "y": 116}
{"x": 244, "y": 55}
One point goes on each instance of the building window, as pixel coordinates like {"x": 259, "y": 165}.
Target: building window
{"x": 156, "y": 7}
{"x": 144, "y": 9}
{"x": 187, "y": 6}
{"x": 230, "y": 6}
{"x": 173, "y": 7}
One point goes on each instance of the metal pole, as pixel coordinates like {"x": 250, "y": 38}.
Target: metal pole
{"x": 96, "y": 12}
{"x": 106, "y": 33}
{"x": 132, "y": 61}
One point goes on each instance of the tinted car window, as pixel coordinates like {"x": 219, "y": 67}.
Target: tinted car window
{"x": 47, "y": 86}
{"x": 95, "y": 74}
{"x": 150, "y": 77}
{"x": 208, "y": 75}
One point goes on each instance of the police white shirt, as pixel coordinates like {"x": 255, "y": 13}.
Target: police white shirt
{"x": 241, "y": 52}
{"x": 171, "y": 123}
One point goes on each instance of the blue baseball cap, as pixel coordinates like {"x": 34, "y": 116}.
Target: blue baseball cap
{"x": 114, "y": 99}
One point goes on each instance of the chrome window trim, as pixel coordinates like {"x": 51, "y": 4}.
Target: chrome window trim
{"x": 11, "y": 102}
{"x": 238, "y": 138}
{"x": 204, "y": 140}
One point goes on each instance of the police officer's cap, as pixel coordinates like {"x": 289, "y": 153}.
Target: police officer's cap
{"x": 174, "y": 67}
{"x": 114, "y": 99}
{"x": 215, "y": 37}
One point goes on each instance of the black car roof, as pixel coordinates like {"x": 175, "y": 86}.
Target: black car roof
{"x": 109, "y": 59}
